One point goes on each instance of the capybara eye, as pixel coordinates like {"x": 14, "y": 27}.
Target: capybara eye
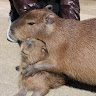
{"x": 30, "y": 45}
{"x": 30, "y": 23}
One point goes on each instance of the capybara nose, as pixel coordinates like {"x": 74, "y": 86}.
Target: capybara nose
{"x": 12, "y": 31}
{"x": 9, "y": 37}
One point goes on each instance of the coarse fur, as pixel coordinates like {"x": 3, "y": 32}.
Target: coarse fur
{"x": 33, "y": 51}
{"x": 71, "y": 44}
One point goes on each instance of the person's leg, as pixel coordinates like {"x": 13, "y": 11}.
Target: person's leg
{"x": 23, "y": 6}
{"x": 13, "y": 13}
{"x": 19, "y": 7}
{"x": 70, "y": 9}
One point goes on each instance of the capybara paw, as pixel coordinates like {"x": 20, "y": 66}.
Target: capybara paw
{"x": 17, "y": 68}
{"x": 19, "y": 95}
{"x": 29, "y": 70}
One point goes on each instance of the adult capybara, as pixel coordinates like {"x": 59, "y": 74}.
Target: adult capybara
{"x": 33, "y": 51}
{"x": 71, "y": 44}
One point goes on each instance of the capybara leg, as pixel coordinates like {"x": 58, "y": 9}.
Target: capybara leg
{"x": 22, "y": 92}
{"x": 41, "y": 92}
{"x": 40, "y": 66}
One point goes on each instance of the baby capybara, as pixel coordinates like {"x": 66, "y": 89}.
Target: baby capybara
{"x": 33, "y": 51}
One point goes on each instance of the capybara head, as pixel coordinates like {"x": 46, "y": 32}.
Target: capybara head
{"x": 33, "y": 24}
{"x": 34, "y": 49}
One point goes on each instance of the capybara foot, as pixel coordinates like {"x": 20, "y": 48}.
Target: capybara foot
{"x": 40, "y": 92}
{"x": 29, "y": 70}
{"x": 22, "y": 92}
{"x": 17, "y": 68}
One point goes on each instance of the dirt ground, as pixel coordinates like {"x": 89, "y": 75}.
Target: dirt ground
{"x": 10, "y": 57}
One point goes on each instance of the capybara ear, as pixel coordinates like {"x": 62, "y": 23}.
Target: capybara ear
{"x": 49, "y": 18}
{"x": 50, "y": 7}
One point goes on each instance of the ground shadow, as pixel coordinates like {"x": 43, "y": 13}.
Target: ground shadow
{"x": 82, "y": 86}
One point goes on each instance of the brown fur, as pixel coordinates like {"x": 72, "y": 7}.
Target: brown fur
{"x": 71, "y": 44}
{"x": 33, "y": 51}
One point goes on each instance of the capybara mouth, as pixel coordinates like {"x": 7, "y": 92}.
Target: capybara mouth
{"x": 24, "y": 53}
{"x": 11, "y": 40}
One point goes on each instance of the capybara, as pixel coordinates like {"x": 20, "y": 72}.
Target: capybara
{"x": 32, "y": 51}
{"x": 71, "y": 44}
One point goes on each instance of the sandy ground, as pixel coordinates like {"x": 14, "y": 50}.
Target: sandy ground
{"x": 10, "y": 57}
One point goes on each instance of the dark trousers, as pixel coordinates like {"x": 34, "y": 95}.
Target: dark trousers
{"x": 68, "y": 9}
